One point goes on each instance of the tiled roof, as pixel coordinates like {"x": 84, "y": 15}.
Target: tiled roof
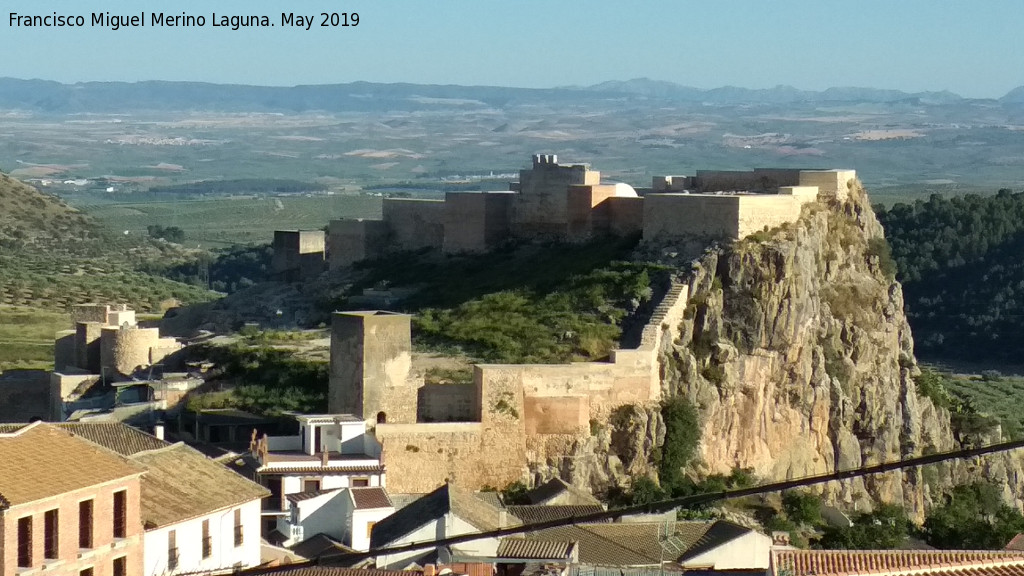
{"x": 340, "y": 469}
{"x": 300, "y": 496}
{"x": 522, "y": 549}
{"x": 1016, "y": 543}
{"x": 716, "y": 535}
{"x": 625, "y": 543}
{"x": 492, "y": 498}
{"x": 318, "y": 545}
{"x": 448, "y": 498}
{"x": 558, "y": 487}
{"x": 327, "y": 571}
{"x": 40, "y": 461}
{"x": 896, "y": 562}
{"x": 372, "y": 497}
{"x": 116, "y": 436}
{"x": 180, "y": 483}
{"x": 530, "y": 514}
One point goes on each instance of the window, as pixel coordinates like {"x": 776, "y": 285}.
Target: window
{"x": 318, "y": 439}
{"x": 239, "y": 536}
{"x": 311, "y": 485}
{"x": 85, "y": 572}
{"x": 85, "y": 524}
{"x": 51, "y": 535}
{"x": 369, "y": 528}
{"x": 207, "y": 543}
{"x": 25, "y": 542}
{"x": 120, "y": 513}
{"x": 172, "y": 550}
{"x": 120, "y": 566}
{"x": 360, "y": 482}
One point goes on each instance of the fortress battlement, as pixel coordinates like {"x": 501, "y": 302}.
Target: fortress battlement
{"x": 570, "y": 202}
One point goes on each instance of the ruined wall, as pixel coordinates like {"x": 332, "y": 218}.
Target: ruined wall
{"x": 66, "y": 386}
{"x": 415, "y": 223}
{"x": 476, "y": 221}
{"x": 540, "y": 207}
{"x": 124, "y": 350}
{"x": 353, "y": 240}
{"x": 90, "y": 313}
{"x": 371, "y": 362}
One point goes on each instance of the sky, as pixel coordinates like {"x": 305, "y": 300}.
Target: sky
{"x": 975, "y": 49}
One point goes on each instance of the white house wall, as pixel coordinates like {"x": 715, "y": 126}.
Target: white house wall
{"x": 189, "y": 539}
{"x": 358, "y": 538}
{"x": 325, "y": 514}
{"x": 750, "y": 551}
{"x": 447, "y": 526}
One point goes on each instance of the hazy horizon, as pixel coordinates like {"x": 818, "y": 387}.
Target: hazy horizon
{"x": 914, "y": 46}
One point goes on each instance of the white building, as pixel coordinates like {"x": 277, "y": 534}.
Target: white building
{"x": 197, "y": 514}
{"x": 345, "y": 514}
{"x": 445, "y": 512}
{"x": 331, "y": 451}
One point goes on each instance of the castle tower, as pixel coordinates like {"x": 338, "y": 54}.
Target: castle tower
{"x": 371, "y": 360}
{"x": 539, "y": 210}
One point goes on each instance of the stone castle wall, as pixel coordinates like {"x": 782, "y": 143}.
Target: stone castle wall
{"x": 126, "y": 349}
{"x": 475, "y": 221}
{"x": 354, "y": 240}
{"x": 524, "y": 412}
{"x": 415, "y": 223}
{"x": 539, "y": 210}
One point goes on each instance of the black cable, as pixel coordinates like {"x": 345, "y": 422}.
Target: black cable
{"x": 669, "y": 504}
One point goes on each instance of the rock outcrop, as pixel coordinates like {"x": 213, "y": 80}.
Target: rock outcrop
{"x": 796, "y": 351}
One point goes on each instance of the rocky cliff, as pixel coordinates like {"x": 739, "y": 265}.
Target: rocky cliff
{"x": 796, "y": 351}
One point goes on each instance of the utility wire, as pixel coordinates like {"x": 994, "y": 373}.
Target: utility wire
{"x": 671, "y": 503}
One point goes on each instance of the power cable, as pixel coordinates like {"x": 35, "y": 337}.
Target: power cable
{"x": 671, "y": 503}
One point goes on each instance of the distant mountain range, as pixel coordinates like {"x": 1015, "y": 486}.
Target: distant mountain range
{"x": 54, "y": 97}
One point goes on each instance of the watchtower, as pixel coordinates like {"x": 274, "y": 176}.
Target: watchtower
{"x": 371, "y": 360}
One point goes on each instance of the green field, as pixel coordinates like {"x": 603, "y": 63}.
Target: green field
{"x": 27, "y": 337}
{"x": 1002, "y": 398}
{"x": 234, "y": 220}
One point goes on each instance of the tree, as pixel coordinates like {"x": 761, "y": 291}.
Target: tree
{"x": 884, "y": 528}
{"x": 682, "y": 433}
{"x": 974, "y": 516}
{"x": 802, "y": 507}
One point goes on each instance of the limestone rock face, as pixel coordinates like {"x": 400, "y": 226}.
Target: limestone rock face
{"x": 796, "y": 351}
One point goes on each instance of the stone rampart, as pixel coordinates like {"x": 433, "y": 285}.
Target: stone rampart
{"x": 759, "y": 179}
{"x": 626, "y": 215}
{"x": 123, "y": 350}
{"x": 87, "y": 345}
{"x": 298, "y": 254}
{"x": 354, "y": 240}
{"x": 830, "y": 183}
{"x": 588, "y": 210}
{"x": 64, "y": 350}
{"x": 476, "y": 221}
{"x": 539, "y": 209}
{"x": 371, "y": 362}
{"x": 675, "y": 215}
{"x": 448, "y": 403}
{"x": 421, "y": 457}
{"x": 414, "y": 223}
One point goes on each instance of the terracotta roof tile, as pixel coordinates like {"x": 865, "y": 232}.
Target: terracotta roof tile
{"x": 625, "y": 543}
{"x": 522, "y": 549}
{"x": 116, "y": 436}
{"x": 372, "y": 497}
{"x": 448, "y": 498}
{"x": 180, "y": 483}
{"x": 1016, "y": 543}
{"x": 557, "y": 487}
{"x": 334, "y": 469}
{"x": 40, "y": 461}
{"x": 530, "y": 514}
{"x": 897, "y": 562}
{"x": 301, "y": 496}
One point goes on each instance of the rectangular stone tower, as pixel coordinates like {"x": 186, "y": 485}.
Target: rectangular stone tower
{"x": 539, "y": 209}
{"x": 371, "y": 361}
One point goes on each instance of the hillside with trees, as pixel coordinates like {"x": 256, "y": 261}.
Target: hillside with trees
{"x": 963, "y": 278}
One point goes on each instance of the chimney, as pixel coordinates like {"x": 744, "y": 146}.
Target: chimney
{"x": 158, "y": 429}
{"x": 502, "y": 518}
{"x": 780, "y": 538}
{"x": 323, "y": 457}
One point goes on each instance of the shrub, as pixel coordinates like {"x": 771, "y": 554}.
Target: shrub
{"x": 682, "y": 434}
{"x": 802, "y": 507}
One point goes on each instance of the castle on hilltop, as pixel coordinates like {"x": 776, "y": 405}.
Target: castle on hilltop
{"x": 570, "y": 202}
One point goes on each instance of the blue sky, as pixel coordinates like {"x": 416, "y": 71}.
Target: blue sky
{"x": 975, "y": 49}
